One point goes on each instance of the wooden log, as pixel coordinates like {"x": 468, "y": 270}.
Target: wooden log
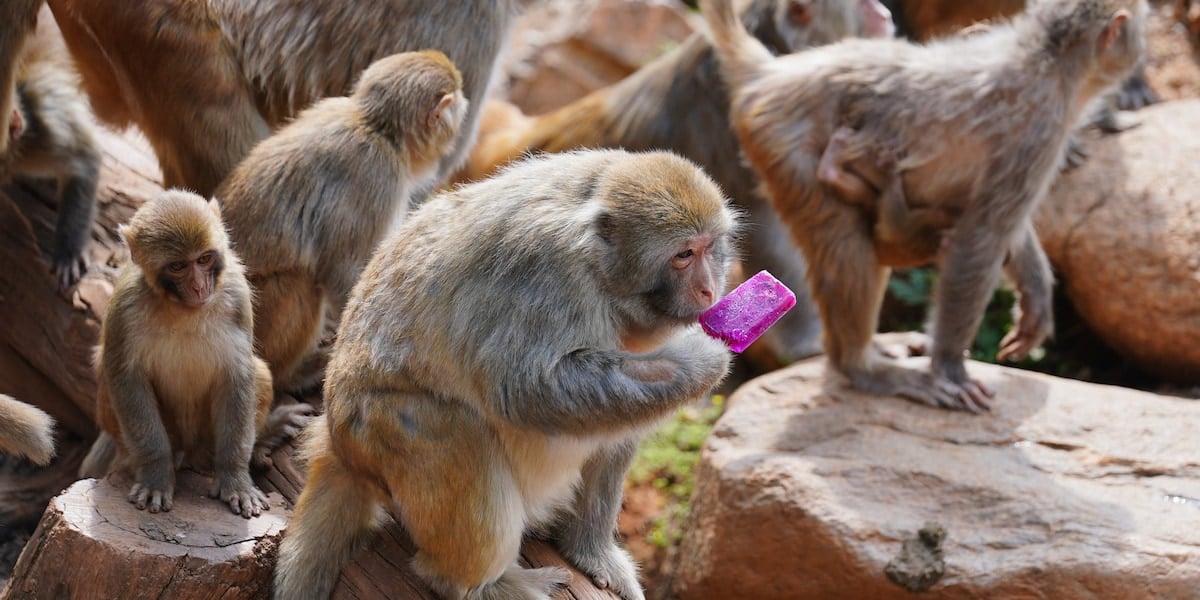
{"x": 91, "y": 543}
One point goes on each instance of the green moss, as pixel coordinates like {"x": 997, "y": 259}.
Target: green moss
{"x": 667, "y": 460}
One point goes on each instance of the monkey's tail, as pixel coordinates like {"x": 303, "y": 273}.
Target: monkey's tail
{"x": 740, "y": 53}
{"x": 99, "y": 459}
{"x": 26, "y": 431}
{"x": 334, "y": 516}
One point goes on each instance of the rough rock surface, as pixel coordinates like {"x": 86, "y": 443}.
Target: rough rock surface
{"x": 1123, "y": 234}
{"x": 1066, "y": 490}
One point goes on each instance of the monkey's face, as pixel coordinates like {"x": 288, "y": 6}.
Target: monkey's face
{"x": 192, "y": 279}
{"x": 693, "y": 277}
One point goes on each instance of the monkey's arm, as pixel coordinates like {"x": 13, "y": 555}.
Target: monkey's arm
{"x": 234, "y": 418}
{"x": 142, "y": 431}
{"x": 75, "y": 214}
{"x": 593, "y": 389}
{"x": 1033, "y": 316}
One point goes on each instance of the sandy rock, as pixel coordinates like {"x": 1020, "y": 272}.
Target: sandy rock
{"x": 1124, "y": 238}
{"x": 1066, "y": 490}
{"x": 564, "y": 50}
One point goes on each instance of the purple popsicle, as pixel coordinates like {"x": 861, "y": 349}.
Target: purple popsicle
{"x": 748, "y": 311}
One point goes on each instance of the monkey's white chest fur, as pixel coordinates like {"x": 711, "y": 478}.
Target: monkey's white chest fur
{"x": 546, "y": 469}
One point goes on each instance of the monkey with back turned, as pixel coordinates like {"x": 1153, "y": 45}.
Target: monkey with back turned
{"x": 514, "y": 337}
{"x": 308, "y": 205}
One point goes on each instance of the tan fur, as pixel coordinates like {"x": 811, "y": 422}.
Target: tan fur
{"x": 26, "y": 431}
{"x": 309, "y": 204}
{"x": 979, "y": 125}
{"x": 240, "y": 69}
{"x": 484, "y": 344}
{"x": 180, "y": 383}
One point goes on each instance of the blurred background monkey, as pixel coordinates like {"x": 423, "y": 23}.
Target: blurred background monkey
{"x": 308, "y": 205}
{"x": 516, "y": 337}
{"x": 177, "y": 376}
{"x": 26, "y": 430}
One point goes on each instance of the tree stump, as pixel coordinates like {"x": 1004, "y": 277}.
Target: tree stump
{"x": 92, "y": 543}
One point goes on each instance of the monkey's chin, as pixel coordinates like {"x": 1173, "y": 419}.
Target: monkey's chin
{"x": 195, "y": 302}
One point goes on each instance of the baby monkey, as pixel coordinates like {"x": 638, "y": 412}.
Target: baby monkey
{"x": 309, "y": 204}
{"x": 178, "y": 378}
{"x": 904, "y": 236}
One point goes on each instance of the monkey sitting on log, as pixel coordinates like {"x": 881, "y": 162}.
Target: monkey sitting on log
{"x": 178, "y": 381}
{"x": 980, "y": 123}
{"x": 679, "y": 103}
{"x": 26, "y": 430}
{"x": 515, "y": 338}
{"x": 308, "y": 205}
{"x": 51, "y": 136}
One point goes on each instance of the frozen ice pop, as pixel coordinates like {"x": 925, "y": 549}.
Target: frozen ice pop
{"x": 748, "y": 311}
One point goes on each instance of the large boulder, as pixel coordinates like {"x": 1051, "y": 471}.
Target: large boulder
{"x": 1065, "y": 490}
{"x": 1123, "y": 234}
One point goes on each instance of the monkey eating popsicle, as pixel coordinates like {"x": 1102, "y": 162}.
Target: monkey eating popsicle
{"x": 748, "y": 311}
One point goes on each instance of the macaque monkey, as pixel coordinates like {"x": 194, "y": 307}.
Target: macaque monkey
{"x": 979, "y": 123}
{"x": 235, "y": 71}
{"x": 18, "y": 19}
{"x": 497, "y": 364}
{"x": 51, "y": 136}
{"x": 904, "y": 236}
{"x": 679, "y": 103}
{"x": 26, "y": 431}
{"x": 309, "y": 204}
{"x": 177, "y": 376}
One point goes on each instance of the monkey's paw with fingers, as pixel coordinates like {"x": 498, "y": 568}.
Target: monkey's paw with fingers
{"x": 154, "y": 498}
{"x": 68, "y": 271}
{"x": 611, "y": 568}
{"x": 284, "y": 423}
{"x": 240, "y": 494}
{"x": 1033, "y": 326}
{"x": 943, "y": 392}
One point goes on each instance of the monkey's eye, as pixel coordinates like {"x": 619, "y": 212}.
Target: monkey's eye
{"x": 686, "y": 254}
{"x": 205, "y": 259}
{"x": 177, "y": 266}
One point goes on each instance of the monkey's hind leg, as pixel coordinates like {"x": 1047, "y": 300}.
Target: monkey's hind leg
{"x": 334, "y": 517}
{"x": 274, "y": 425}
{"x": 585, "y": 535}
{"x": 288, "y": 314}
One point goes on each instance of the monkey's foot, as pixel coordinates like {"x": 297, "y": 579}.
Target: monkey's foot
{"x": 284, "y": 423}
{"x": 970, "y": 395}
{"x": 68, "y": 271}
{"x": 886, "y": 378}
{"x": 157, "y": 500}
{"x": 242, "y": 496}
{"x": 517, "y": 584}
{"x": 609, "y": 568}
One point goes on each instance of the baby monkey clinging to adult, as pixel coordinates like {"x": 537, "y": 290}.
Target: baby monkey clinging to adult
{"x": 308, "y": 205}
{"x": 178, "y": 377}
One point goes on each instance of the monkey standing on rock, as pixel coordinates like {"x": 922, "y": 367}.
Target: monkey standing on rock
{"x": 980, "y": 124}
{"x": 515, "y": 338}
{"x": 177, "y": 376}
{"x": 308, "y": 205}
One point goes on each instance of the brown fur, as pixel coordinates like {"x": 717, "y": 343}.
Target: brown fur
{"x": 679, "y": 103}
{"x": 180, "y": 383}
{"x": 308, "y": 205}
{"x": 238, "y": 70}
{"x": 979, "y": 123}
{"x": 491, "y": 341}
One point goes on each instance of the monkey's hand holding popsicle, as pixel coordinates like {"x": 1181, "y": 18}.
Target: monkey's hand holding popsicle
{"x": 748, "y": 311}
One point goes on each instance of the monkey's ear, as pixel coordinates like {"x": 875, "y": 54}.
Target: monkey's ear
{"x": 126, "y": 234}
{"x": 436, "y": 114}
{"x": 799, "y": 12}
{"x": 1112, "y": 32}
{"x": 214, "y": 206}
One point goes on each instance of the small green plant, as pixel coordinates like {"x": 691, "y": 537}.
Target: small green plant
{"x": 667, "y": 460}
